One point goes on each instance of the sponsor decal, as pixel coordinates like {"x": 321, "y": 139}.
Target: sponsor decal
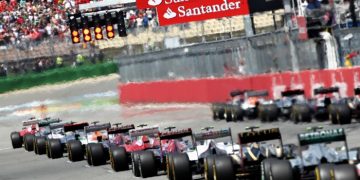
{"x": 322, "y": 136}
{"x": 187, "y": 11}
{"x": 31, "y": 122}
{"x": 176, "y": 134}
{"x": 261, "y": 135}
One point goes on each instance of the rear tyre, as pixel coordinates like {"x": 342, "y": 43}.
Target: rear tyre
{"x": 281, "y": 170}
{"x": 169, "y": 165}
{"x": 40, "y": 145}
{"x": 75, "y": 151}
{"x": 119, "y": 159}
{"x": 266, "y": 166}
{"x": 345, "y": 172}
{"x": 223, "y": 168}
{"x": 29, "y": 142}
{"x": 147, "y": 164}
{"x": 97, "y": 154}
{"x": 300, "y": 113}
{"x": 181, "y": 167}
{"x": 55, "y": 148}
{"x": 135, "y": 164}
{"x": 324, "y": 171}
{"x": 16, "y": 140}
{"x": 208, "y": 167}
{"x": 88, "y": 154}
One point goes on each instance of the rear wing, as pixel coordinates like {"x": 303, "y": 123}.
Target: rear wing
{"x": 122, "y": 129}
{"x": 324, "y": 136}
{"x": 58, "y": 125}
{"x": 294, "y": 92}
{"x": 258, "y": 136}
{"x": 98, "y": 127}
{"x": 357, "y": 91}
{"x": 176, "y": 134}
{"x": 44, "y": 123}
{"x": 237, "y": 92}
{"x": 74, "y": 127}
{"x": 31, "y": 122}
{"x": 212, "y": 135}
{"x": 144, "y": 131}
{"x": 326, "y": 90}
{"x": 262, "y": 93}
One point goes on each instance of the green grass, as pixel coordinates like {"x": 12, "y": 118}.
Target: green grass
{"x": 54, "y": 76}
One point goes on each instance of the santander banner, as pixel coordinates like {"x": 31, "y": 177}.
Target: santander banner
{"x": 182, "y": 11}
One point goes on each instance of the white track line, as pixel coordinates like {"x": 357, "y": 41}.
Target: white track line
{"x": 5, "y": 149}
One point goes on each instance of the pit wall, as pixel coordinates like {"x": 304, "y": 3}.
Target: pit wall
{"x": 207, "y": 90}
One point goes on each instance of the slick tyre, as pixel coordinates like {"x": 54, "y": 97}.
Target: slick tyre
{"x": 169, "y": 165}
{"x": 345, "y": 172}
{"x": 16, "y": 140}
{"x": 147, "y": 164}
{"x": 209, "y": 167}
{"x": 181, "y": 167}
{"x": 29, "y": 142}
{"x": 75, "y": 151}
{"x": 135, "y": 164}
{"x": 97, "y": 154}
{"x": 281, "y": 170}
{"x": 324, "y": 171}
{"x": 119, "y": 159}
{"x": 40, "y": 145}
{"x": 223, "y": 168}
{"x": 55, "y": 148}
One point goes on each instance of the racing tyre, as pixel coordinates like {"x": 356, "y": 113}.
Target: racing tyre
{"x": 266, "y": 168}
{"x": 228, "y": 114}
{"x": 223, "y": 168}
{"x": 135, "y": 164}
{"x": 181, "y": 167}
{"x": 208, "y": 167}
{"x": 345, "y": 114}
{"x": 300, "y": 113}
{"x": 345, "y": 172}
{"x": 16, "y": 140}
{"x": 324, "y": 171}
{"x": 169, "y": 165}
{"x": 97, "y": 154}
{"x": 147, "y": 164}
{"x": 40, "y": 145}
{"x": 88, "y": 154}
{"x": 118, "y": 159}
{"x": 281, "y": 170}
{"x": 29, "y": 142}
{"x": 55, "y": 148}
{"x": 236, "y": 113}
{"x": 75, "y": 151}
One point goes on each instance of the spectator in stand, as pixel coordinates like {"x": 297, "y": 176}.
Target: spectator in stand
{"x": 3, "y": 70}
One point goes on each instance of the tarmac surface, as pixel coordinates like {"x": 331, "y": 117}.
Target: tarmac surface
{"x": 97, "y": 100}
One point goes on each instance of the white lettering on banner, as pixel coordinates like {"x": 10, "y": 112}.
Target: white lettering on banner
{"x": 196, "y": 11}
{"x": 174, "y": 1}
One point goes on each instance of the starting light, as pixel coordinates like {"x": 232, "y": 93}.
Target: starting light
{"x": 98, "y": 28}
{"x": 75, "y": 36}
{"x": 109, "y": 26}
{"x": 86, "y": 29}
{"x": 121, "y": 24}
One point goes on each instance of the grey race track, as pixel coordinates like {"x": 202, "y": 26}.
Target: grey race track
{"x": 90, "y": 100}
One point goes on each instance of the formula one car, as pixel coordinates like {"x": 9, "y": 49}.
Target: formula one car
{"x": 97, "y": 143}
{"x": 328, "y": 104}
{"x": 118, "y": 137}
{"x": 66, "y": 137}
{"x": 231, "y": 111}
{"x": 55, "y": 132}
{"x": 318, "y": 158}
{"x": 196, "y": 161}
{"x": 29, "y": 127}
{"x": 151, "y": 161}
{"x": 256, "y": 160}
{"x": 32, "y": 129}
{"x": 257, "y": 105}
{"x": 293, "y": 105}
